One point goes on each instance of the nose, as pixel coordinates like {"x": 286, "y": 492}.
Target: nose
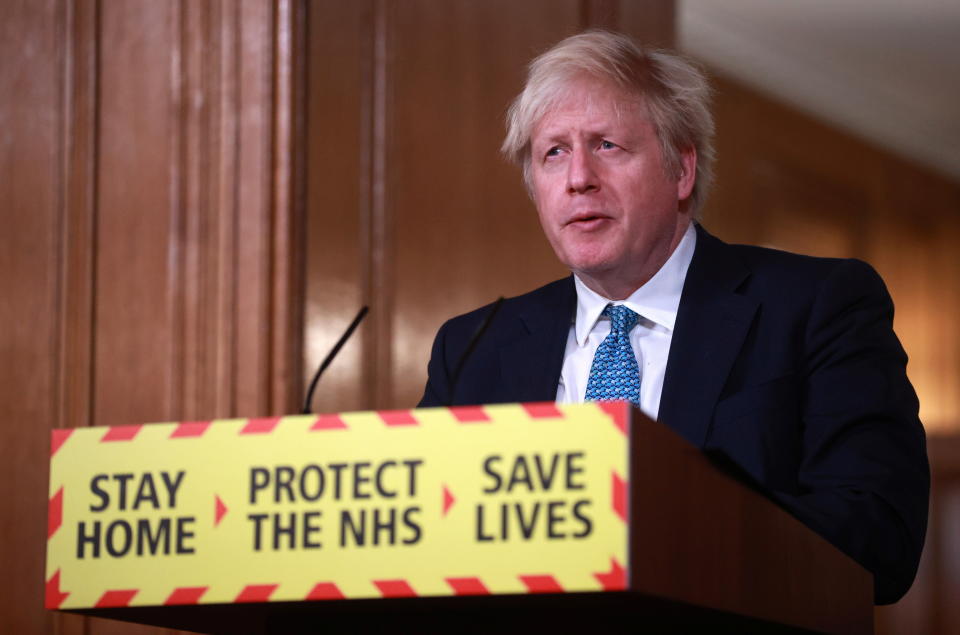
{"x": 581, "y": 172}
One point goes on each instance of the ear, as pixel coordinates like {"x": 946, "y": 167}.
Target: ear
{"x": 688, "y": 173}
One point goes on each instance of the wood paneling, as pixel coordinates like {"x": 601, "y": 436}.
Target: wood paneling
{"x": 77, "y": 257}
{"x": 931, "y": 606}
{"x": 914, "y": 245}
{"x": 150, "y": 264}
{"x": 804, "y": 213}
{"x": 137, "y": 200}
{"x": 338, "y": 175}
{"x": 30, "y": 164}
{"x": 461, "y": 228}
{"x": 653, "y": 22}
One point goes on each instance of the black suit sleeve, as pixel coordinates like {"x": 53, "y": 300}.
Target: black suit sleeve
{"x": 437, "y": 391}
{"x": 864, "y": 478}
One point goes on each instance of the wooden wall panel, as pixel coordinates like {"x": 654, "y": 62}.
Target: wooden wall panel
{"x": 908, "y": 269}
{"x": 77, "y": 255}
{"x": 136, "y": 212}
{"x": 461, "y": 228}
{"x": 931, "y": 605}
{"x": 152, "y": 202}
{"x": 914, "y": 245}
{"x": 137, "y": 215}
{"x": 286, "y": 77}
{"x": 945, "y": 616}
{"x": 253, "y": 159}
{"x": 30, "y": 165}
{"x": 338, "y": 196}
{"x": 807, "y": 213}
{"x": 653, "y": 22}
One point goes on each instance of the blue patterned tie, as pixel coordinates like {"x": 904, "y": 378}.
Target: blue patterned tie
{"x": 614, "y": 374}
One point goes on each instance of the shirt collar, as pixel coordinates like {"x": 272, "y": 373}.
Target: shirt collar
{"x": 657, "y": 300}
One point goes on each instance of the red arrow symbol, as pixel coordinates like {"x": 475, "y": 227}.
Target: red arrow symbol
{"x": 448, "y": 500}
{"x": 220, "y": 511}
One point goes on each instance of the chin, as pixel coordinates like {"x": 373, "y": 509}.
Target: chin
{"x": 590, "y": 268}
{"x": 590, "y": 262}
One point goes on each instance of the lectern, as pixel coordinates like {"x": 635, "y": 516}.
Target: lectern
{"x": 473, "y": 519}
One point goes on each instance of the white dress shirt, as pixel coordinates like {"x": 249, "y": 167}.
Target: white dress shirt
{"x": 656, "y": 303}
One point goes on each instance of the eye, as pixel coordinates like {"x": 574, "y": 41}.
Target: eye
{"x": 552, "y": 152}
{"x": 607, "y": 145}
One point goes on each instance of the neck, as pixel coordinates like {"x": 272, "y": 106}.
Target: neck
{"x": 611, "y": 289}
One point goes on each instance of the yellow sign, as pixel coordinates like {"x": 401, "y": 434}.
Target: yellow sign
{"x": 521, "y": 498}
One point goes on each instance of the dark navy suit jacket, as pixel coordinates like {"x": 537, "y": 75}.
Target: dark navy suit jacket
{"x": 785, "y": 366}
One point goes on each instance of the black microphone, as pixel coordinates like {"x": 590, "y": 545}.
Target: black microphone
{"x": 329, "y": 358}
{"x": 469, "y": 350}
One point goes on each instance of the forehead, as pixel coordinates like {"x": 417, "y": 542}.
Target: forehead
{"x": 587, "y": 103}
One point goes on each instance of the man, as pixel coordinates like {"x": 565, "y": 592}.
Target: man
{"x": 783, "y": 365}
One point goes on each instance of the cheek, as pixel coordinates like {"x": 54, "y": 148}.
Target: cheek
{"x": 539, "y": 193}
{"x": 551, "y": 232}
{"x": 548, "y": 207}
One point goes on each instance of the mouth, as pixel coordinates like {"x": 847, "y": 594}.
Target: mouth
{"x": 587, "y": 221}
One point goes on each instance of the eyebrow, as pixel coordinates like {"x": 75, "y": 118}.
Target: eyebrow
{"x": 552, "y": 137}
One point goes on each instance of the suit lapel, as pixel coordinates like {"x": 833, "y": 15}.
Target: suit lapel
{"x": 712, "y": 322}
{"x": 530, "y": 364}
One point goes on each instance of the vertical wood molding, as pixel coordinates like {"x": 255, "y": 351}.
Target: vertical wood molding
{"x": 268, "y": 373}
{"x": 370, "y": 153}
{"x": 287, "y": 211}
{"x": 380, "y": 289}
{"x": 253, "y": 200}
{"x": 234, "y": 209}
{"x": 225, "y": 145}
{"x": 179, "y": 254}
{"x": 201, "y": 261}
{"x": 241, "y": 277}
{"x": 281, "y": 201}
{"x": 77, "y": 260}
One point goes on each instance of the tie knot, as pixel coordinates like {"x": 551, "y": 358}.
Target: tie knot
{"x": 621, "y": 318}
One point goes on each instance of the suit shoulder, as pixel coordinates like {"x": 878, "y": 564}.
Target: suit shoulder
{"x": 541, "y": 299}
{"x": 770, "y": 259}
{"x": 785, "y": 267}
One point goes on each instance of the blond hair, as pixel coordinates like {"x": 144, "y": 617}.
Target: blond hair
{"x": 675, "y": 91}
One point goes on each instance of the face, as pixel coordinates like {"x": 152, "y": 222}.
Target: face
{"x": 606, "y": 202}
